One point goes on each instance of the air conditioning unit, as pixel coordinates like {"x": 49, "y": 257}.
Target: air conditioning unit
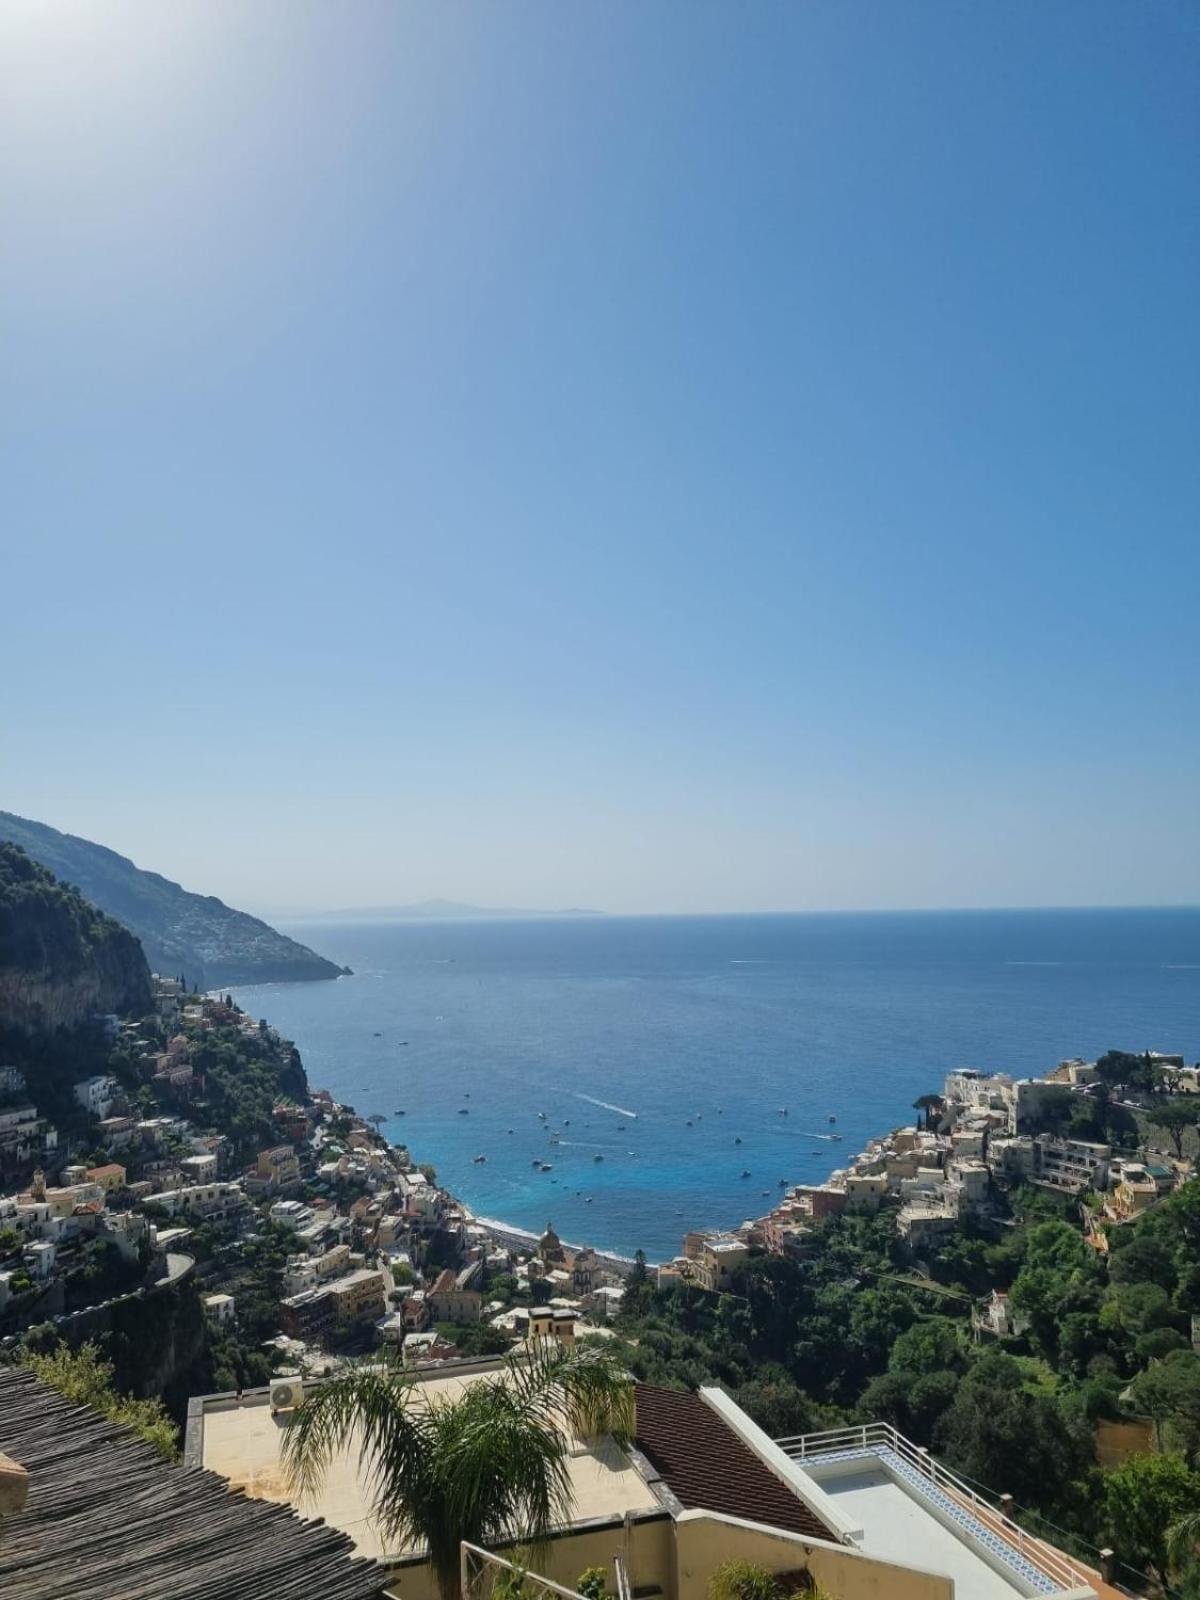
{"x": 287, "y": 1394}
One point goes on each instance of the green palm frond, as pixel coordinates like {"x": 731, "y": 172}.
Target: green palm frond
{"x": 1183, "y": 1537}
{"x": 488, "y": 1465}
{"x": 583, "y": 1385}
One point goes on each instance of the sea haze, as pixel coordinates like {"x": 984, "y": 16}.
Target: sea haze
{"x": 656, "y": 1042}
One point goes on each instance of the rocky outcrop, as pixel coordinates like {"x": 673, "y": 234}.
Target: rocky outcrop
{"x": 209, "y": 943}
{"x": 61, "y": 961}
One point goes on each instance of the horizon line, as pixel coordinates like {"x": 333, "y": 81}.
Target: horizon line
{"x": 530, "y": 914}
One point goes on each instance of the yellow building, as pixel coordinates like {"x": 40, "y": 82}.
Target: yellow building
{"x": 109, "y": 1177}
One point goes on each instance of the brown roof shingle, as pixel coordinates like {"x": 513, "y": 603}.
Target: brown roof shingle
{"x": 707, "y": 1467}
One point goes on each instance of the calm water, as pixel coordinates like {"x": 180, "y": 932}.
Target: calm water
{"x": 624, "y": 1030}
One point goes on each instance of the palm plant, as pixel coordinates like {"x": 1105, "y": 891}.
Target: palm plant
{"x": 487, "y": 1465}
{"x": 1183, "y": 1537}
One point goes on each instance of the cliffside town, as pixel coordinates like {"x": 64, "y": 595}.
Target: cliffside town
{"x": 984, "y": 1135}
{"x": 308, "y": 1235}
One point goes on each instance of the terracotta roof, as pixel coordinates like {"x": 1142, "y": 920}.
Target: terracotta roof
{"x": 707, "y": 1467}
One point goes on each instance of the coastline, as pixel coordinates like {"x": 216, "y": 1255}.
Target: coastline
{"x": 506, "y": 1234}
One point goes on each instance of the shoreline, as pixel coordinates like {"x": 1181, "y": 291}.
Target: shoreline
{"x": 507, "y": 1234}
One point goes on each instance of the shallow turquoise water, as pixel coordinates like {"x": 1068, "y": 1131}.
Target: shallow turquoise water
{"x": 713, "y": 1021}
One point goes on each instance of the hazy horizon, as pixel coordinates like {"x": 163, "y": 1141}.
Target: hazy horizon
{"x": 677, "y": 459}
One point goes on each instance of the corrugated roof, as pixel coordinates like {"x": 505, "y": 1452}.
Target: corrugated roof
{"x": 707, "y": 1467}
{"x": 107, "y": 1516}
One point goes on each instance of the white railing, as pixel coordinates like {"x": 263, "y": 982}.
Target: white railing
{"x": 624, "y": 1587}
{"x": 882, "y": 1436}
{"x": 482, "y": 1573}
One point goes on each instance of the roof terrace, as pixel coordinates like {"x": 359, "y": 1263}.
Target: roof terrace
{"x": 902, "y": 1501}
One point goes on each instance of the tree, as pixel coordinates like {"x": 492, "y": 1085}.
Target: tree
{"x": 1144, "y": 1498}
{"x": 1175, "y": 1117}
{"x": 1118, "y": 1069}
{"x": 929, "y": 1346}
{"x": 482, "y": 1467}
{"x": 1169, "y": 1391}
{"x": 1015, "y": 1442}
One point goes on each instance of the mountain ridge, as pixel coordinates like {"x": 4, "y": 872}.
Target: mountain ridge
{"x": 213, "y": 945}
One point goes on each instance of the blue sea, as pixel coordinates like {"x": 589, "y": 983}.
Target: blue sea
{"x": 657, "y": 1043}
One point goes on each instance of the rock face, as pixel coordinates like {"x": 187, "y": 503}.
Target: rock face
{"x": 61, "y": 961}
{"x": 209, "y": 943}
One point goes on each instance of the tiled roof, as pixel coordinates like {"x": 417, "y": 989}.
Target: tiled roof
{"x": 707, "y": 1467}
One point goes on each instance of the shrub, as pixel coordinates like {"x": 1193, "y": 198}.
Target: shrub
{"x": 742, "y": 1580}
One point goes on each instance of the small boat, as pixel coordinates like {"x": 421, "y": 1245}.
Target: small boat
{"x": 567, "y": 1123}
{"x": 467, "y": 1094}
{"x": 833, "y": 1119}
{"x": 738, "y": 1140}
{"x": 588, "y": 1201}
{"x": 377, "y": 1036}
{"x": 597, "y": 1157}
{"x": 537, "y": 1161}
{"x": 542, "y": 1114}
{"x": 745, "y": 1172}
{"x": 689, "y": 1122}
{"x": 783, "y": 1111}
{"x": 478, "y": 1160}
{"x": 835, "y": 1136}
{"x": 463, "y": 1111}
{"x": 620, "y": 1127}
{"x": 765, "y": 1194}
{"x": 404, "y": 1041}
{"x": 400, "y": 1111}
{"x": 783, "y": 1183}
{"x": 546, "y": 1167}
{"x": 508, "y": 1130}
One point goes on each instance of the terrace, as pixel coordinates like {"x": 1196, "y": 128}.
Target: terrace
{"x": 897, "y": 1501}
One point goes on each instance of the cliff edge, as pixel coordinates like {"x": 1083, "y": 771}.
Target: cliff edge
{"x": 209, "y": 943}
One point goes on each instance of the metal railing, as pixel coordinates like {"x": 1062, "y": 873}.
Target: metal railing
{"x": 484, "y": 1574}
{"x": 882, "y": 1436}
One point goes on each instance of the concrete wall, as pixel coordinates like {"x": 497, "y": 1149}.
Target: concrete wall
{"x": 704, "y": 1541}
{"x": 679, "y": 1559}
{"x": 648, "y": 1546}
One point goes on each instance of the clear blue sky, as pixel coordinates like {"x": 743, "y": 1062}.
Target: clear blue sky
{"x": 642, "y": 454}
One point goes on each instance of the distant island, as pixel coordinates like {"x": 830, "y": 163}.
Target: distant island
{"x": 434, "y": 910}
{"x": 194, "y": 936}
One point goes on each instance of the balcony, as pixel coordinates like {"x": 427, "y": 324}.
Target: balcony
{"x": 901, "y": 1504}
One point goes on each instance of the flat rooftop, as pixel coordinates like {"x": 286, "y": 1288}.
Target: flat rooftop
{"x": 243, "y": 1441}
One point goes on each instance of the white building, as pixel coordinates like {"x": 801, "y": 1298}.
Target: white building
{"x": 219, "y": 1308}
{"x": 1071, "y": 1164}
{"x": 96, "y": 1094}
{"x": 292, "y": 1214}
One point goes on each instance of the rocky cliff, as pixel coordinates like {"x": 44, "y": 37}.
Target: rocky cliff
{"x": 61, "y": 961}
{"x": 209, "y": 943}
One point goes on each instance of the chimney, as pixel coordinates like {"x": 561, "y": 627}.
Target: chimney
{"x": 14, "y": 1487}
